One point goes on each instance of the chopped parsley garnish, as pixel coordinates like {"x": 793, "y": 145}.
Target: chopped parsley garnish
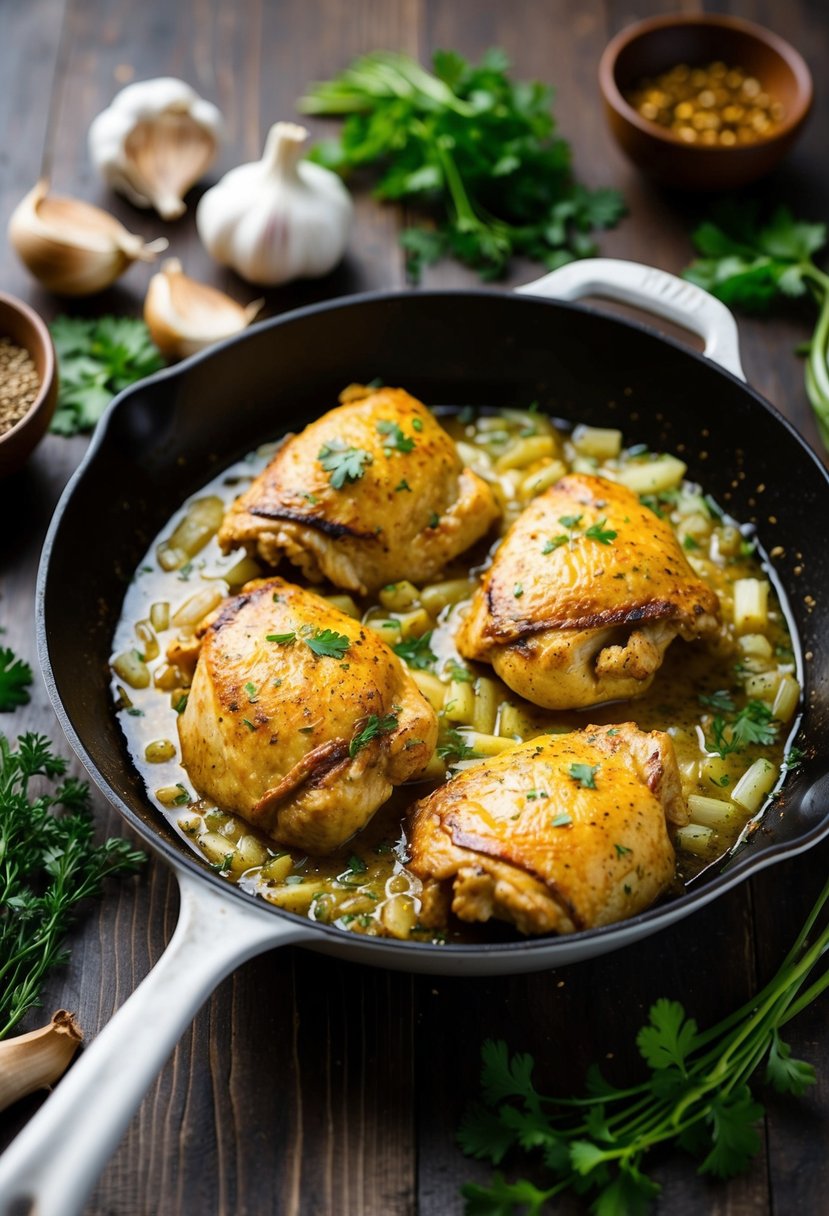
{"x": 434, "y": 520}
{"x": 343, "y": 462}
{"x": 561, "y": 821}
{"x": 328, "y": 644}
{"x": 375, "y": 725}
{"x": 793, "y": 758}
{"x": 417, "y": 652}
{"x": 622, "y": 849}
{"x": 282, "y": 639}
{"x": 555, "y": 542}
{"x": 253, "y": 696}
{"x": 403, "y": 485}
{"x": 182, "y": 798}
{"x": 570, "y": 521}
{"x": 459, "y": 673}
{"x": 248, "y": 724}
{"x": 455, "y": 745}
{"x": 720, "y": 701}
{"x": 599, "y": 533}
{"x": 531, "y": 795}
{"x": 689, "y": 543}
{"x": 356, "y": 865}
{"x": 518, "y": 590}
{"x": 754, "y": 724}
{"x": 181, "y": 703}
{"x": 396, "y": 441}
{"x": 585, "y": 774}
{"x": 222, "y": 867}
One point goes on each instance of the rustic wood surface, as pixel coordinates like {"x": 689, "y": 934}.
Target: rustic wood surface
{"x": 306, "y": 1085}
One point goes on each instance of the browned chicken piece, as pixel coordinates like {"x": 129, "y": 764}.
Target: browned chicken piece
{"x": 372, "y": 492}
{"x": 565, "y": 832}
{"x": 585, "y": 594}
{"x": 300, "y": 719}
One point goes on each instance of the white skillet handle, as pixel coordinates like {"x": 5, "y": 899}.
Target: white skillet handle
{"x": 656, "y": 292}
{"x": 57, "y": 1158}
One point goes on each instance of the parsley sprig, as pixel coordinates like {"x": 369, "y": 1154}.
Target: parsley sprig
{"x": 96, "y": 359}
{"x": 754, "y": 264}
{"x": 343, "y": 462}
{"x": 696, "y": 1096}
{"x": 753, "y": 724}
{"x": 15, "y": 678}
{"x": 376, "y": 724}
{"x": 477, "y": 148}
{"x": 48, "y": 866}
{"x": 417, "y": 652}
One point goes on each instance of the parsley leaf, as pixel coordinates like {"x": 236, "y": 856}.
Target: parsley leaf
{"x": 282, "y": 639}
{"x": 375, "y": 725}
{"x": 467, "y": 142}
{"x": 754, "y": 724}
{"x": 585, "y": 774}
{"x": 454, "y": 744}
{"x": 599, "y": 533}
{"x": 15, "y": 678}
{"x": 396, "y": 441}
{"x": 417, "y": 652}
{"x": 328, "y": 644}
{"x": 96, "y": 360}
{"x": 343, "y": 462}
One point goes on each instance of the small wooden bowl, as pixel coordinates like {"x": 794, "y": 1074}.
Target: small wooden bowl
{"x": 651, "y": 47}
{"x": 25, "y": 328}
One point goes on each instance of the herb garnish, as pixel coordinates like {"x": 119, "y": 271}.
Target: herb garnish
{"x": 282, "y": 639}
{"x": 15, "y": 678}
{"x": 343, "y": 462}
{"x": 328, "y": 644}
{"x": 375, "y": 725}
{"x": 469, "y": 139}
{"x": 454, "y": 744}
{"x": 417, "y": 652}
{"x": 585, "y": 774}
{"x": 48, "y": 866}
{"x": 753, "y": 724}
{"x": 599, "y": 533}
{"x": 396, "y": 441}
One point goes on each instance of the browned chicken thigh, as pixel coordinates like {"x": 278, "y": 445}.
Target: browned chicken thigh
{"x": 562, "y": 833}
{"x": 299, "y": 718}
{"x": 372, "y": 492}
{"x": 585, "y": 593}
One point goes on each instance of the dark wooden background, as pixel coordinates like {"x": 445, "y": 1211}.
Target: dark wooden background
{"x": 307, "y": 1085}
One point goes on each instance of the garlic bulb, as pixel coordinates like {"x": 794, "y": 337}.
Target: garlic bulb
{"x": 154, "y": 142}
{"x": 279, "y": 218}
{"x": 73, "y": 248}
{"x": 184, "y": 316}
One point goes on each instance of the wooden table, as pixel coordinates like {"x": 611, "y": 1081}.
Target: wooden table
{"x": 307, "y": 1085}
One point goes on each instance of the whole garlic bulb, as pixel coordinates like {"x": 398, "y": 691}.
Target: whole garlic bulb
{"x": 154, "y": 141}
{"x": 73, "y": 248}
{"x": 279, "y": 218}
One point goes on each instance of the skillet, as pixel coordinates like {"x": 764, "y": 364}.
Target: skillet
{"x": 164, "y": 438}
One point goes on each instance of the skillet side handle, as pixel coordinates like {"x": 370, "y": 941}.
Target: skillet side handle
{"x": 56, "y": 1160}
{"x": 654, "y": 291}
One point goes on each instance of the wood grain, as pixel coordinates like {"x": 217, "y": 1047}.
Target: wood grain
{"x": 307, "y": 1086}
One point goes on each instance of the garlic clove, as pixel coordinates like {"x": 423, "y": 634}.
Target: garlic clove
{"x": 184, "y": 316}
{"x": 72, "y": 247}
{"x": 154, "y": 141}
{"x": 37, "y": 1060}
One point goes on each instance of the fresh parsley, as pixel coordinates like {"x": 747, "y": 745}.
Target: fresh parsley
{"x": 328, "y": 644}
{"x": 281, "y": 639}
{"x": 695, "y": 1096}
{"x": 15, "y": 678}
{"x": 48, "y": 866}
{"x": 375, "y": 725}
{"x": 754, "y": 724}
{"x": 343, "y": 462}
{"x": 395, "y": 440}
{"x": 753, "y": 263}
{"x": 471, "y": 143}
{"x": 600, "y": 533}
{"x": 417, "y": 652}
{"x": 454, "y": 745}
{"x": 97, "y": 358}
{"x": 585, "y": 774}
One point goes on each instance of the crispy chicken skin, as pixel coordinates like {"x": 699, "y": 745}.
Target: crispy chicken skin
{"x": 526, "y": 839}
{"x": 268, "y": 724}
{"x": 411, "y": 509}
{"x": 594, "y": 617}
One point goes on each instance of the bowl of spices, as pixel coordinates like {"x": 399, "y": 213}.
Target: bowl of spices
{"x": 704, "y": 102}
{"x": 28, "y": 382}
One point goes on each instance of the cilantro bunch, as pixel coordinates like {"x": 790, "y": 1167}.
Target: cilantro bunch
{"x": 96, "y": 360}
{"x": 695, "y": 1096}
{"x": 755, "y": 265}
{"x": 476, "y": 147}
{"x": 48, "y": 865}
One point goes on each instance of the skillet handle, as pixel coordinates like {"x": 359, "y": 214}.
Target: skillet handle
{"x": 656, "y": 292}
{"x": 57, "y": 1158}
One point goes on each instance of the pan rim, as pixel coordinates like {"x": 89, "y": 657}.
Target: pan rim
{"x": 652, "y": 919}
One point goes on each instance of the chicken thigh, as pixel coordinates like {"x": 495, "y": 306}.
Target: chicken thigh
{"x": 584, "y": 595}
{"x": 562, "y": 833}
{"x": 299, "y": 718}
{"x": 372, "y": 492}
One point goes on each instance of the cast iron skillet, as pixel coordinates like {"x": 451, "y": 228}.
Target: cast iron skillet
{"x": 162, "y": 440}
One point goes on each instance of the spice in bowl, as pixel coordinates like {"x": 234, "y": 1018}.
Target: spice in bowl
{"x": 713, "y": 105}
{"x": 19, "y": 383}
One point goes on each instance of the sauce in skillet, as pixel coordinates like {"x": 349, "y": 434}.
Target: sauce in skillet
{"x": 728, "y": 708}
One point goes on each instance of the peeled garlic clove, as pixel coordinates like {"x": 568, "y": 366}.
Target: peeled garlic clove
{"x": 184, "y": 316}
{"x": 154, "y": 141}
{"x": 73, "y": 248}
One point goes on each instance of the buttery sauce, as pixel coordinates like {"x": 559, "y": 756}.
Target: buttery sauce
{"x": 728, "y": 708}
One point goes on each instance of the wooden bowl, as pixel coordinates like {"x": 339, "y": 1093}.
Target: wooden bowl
{"x": 651, "y": 47}
{"x": 25, "y": 328}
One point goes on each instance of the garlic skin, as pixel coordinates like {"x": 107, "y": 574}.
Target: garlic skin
{"x": 154, "y": 141}
{"x": 71, "y": 247}
{"x": 184, "y": 316}
{"x": 279, "y": 218}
